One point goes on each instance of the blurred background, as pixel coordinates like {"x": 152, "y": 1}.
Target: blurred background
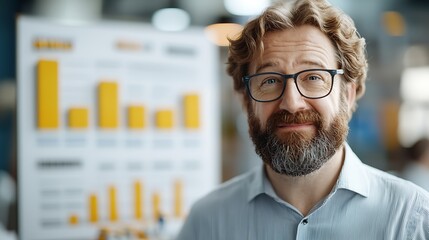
{"x": 392, "y": 115}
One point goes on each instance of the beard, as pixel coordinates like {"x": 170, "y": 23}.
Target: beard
{"x": 296, "y": 153}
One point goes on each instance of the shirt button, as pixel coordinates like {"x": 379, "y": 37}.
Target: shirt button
{"x": 305, "y": 221}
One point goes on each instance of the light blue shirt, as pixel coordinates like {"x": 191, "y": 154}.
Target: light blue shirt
{"x": 365, "y": 203}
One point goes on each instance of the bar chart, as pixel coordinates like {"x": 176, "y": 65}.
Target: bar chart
{"x": 107, "y": 102}
{"x": 111, "y": 136}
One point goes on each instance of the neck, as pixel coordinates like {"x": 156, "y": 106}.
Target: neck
{"x": 305, "y": 192}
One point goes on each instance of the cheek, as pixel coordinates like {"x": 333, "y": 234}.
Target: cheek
{"x": 263, "y": 111}
{"x": 327, "y": 107}
{"x": 334, "y": 101}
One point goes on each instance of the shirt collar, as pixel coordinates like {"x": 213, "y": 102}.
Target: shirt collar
{"x": 256, "y": 186}
{"x": 352, "y": 177}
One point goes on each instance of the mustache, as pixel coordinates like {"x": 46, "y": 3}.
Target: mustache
{"x": 285, "y": 117}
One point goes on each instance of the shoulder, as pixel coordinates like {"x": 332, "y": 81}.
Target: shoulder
{"x": 382, "y": 178}
{"x": 379, "y": 178}
{"x": 230, "y": 193}
{"x": 400, "y": 203}
{"x": 407, "y": 203}
{"x": 229, "y": 197}
{"x": 218, "y": 210}
{"x": 394, "y": 189}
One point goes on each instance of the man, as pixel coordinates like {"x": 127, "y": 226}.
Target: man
{"x": 300, "y": 67}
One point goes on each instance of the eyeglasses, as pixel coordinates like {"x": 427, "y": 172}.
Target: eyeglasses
{"x": 311, "y": 83}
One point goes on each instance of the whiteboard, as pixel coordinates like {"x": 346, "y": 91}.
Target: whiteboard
{"x": 76, "y": 175}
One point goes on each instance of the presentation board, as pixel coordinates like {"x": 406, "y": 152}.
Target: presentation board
{"x": 118, "y": 125}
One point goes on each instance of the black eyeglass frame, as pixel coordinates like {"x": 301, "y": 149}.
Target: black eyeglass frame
{"x": 332, "y": 72}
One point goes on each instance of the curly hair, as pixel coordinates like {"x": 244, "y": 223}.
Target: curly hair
{"x": 340, "y": 29}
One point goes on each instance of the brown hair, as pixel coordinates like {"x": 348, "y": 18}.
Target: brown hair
{"x": 349, "y": 46}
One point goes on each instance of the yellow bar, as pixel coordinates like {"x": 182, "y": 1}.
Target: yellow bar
{"x": 191, "y": 104}
{"x": 108, "y": 105}
{"x": 93, "y": 208}
{"x": 164, "y": 119}
{"x": 78, "y": 118}
{"x": 178, "y": 199}
{"x": 138, "y": 200}
{"x": 136, "y": 117}
{"x": 156, "y": 207}
{"x": 73, "y": 219}
{"x": 113, "y": 210}
{"x": 47, "y": 94}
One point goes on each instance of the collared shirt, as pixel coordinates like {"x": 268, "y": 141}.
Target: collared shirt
{"x": 365, "y": 203}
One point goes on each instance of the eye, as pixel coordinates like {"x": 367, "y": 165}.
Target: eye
{"x": 270, "y": 81}
{"x": 314, "y": 78}
{"x": 266, "y": 82}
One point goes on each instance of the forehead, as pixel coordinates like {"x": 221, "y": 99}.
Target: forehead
{"x": 304, "y": 45}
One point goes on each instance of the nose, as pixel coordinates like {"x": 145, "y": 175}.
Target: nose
{"x": 292, "y": 101}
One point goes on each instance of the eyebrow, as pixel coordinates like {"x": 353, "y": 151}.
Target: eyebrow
{"x": 312, "y": 63}
{"x": 315, "y": 63}
{"x": 265, "y": 65}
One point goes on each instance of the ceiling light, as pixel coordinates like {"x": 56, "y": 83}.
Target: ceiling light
{"x": 414, "y": 84}
{"x": 246, "y": 7}
{"x": 220, "y": 32}
{"x": 394, "y": 23}
{"x": 171, "y": 19}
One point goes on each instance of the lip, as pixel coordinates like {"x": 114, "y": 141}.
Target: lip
{"x": 295, "y": 126}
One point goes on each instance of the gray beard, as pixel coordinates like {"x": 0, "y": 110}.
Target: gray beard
{"x": 298, "y": 160}
{"x": 297, "y": 155}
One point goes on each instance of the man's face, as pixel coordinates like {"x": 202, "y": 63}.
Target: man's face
{"x": 295, "y": 135}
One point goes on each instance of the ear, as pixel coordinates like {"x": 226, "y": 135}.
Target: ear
{"x": 351, "y": 96}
